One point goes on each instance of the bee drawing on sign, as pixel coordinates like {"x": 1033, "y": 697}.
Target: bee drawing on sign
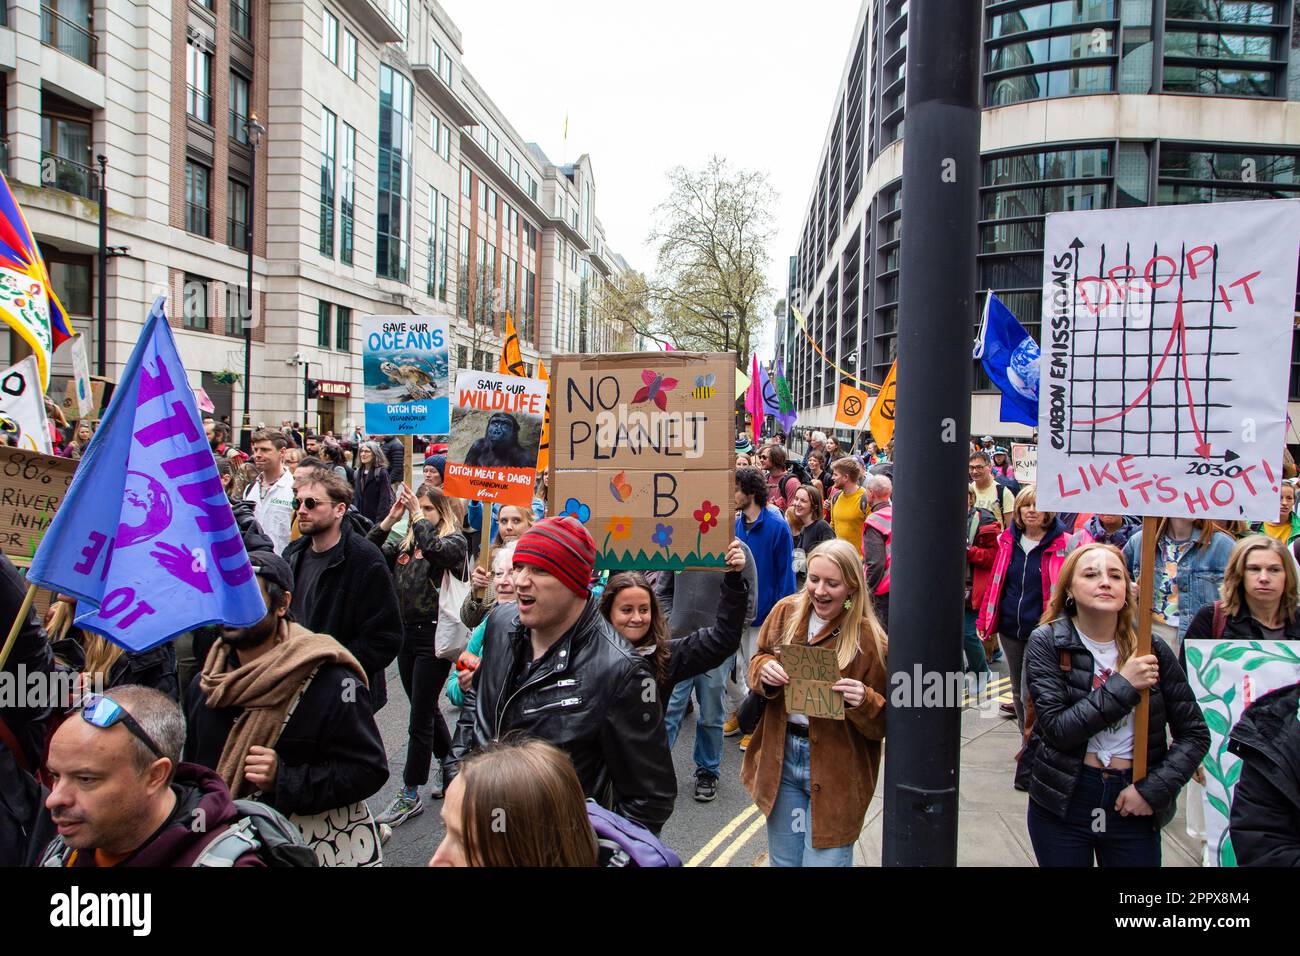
{"x": 656, "y": 389}
{"x": 704, "y": 386}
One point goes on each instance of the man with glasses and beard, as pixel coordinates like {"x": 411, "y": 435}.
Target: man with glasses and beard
{"x": 343, "y": 585}
{"x": 329, "y": 754}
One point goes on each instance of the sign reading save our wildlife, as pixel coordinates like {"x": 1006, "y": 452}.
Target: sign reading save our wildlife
{"x": 495, "y": 434}
{"x": 1166, "y": 350}
{"x": 643, "y": 454}
{"x": 404, "y": 367}
{"x": 813, "y": 671}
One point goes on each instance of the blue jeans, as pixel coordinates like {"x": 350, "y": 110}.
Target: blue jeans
{"x": 976, "y": 662}
{"x": 789, "y": 827}
{"x": 1084, "y": 834}
{"x": 709, "y": 688}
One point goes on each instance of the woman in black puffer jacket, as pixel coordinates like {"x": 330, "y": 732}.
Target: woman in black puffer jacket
{"x": 1084, "y": 680}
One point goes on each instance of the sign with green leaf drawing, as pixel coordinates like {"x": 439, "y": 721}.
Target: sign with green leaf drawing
{"x": 1227, "y": 677}
{"x": 643, "y": 454}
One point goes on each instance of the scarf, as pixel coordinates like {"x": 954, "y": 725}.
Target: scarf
{"x": 264, "y": 689}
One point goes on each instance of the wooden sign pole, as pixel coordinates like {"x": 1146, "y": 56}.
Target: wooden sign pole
{"x": 1146, "y": 585}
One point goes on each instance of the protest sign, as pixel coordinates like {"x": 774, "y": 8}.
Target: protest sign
{"x": 1165, "y": 359}
{"x": 812, "y": 670}
{"x": 32, "y": 487}
{"x": 1226, "y": 678}
{"x": 643, "y": 454}
{"x": 99, "y": 387}
{"x": 495, "y": 433}
{"x": 404, "y": 369}
{"x": 22, "y": 406}
{"x": 851, "y": 405}
{"x": 81, "y": 378}
{"x": 1024, "y": 459}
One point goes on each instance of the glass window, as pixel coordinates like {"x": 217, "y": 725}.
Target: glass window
{"x": 466, "y": 182}
{"x": 396, "y": 138}
{"x": 349, "y": 64}
{"x": 328, "y": 130}
{"x": 236, "y": 309}
{"x": 1212, "y": 81}
{"x": 73, "y": 280}
{"x": 1198, "y": 176}
{"x": 196, "y": 198}
{"x": 1254, "y": 12}
{"x": 397, "y": 13}
{"x": 1047, "y": 15}
{"x": 343, "y": 328}
{"x": 238, "y": 107}
{"x": 237, "y": 215}
{"x": 329, "y": 37}
{"x": 347, "y": 193}
{"x": 444, "y": 142}
{"x": 194, "y": 299}
{"x": 198, "y": 79}
{"x": 462, "y": 275}
{"x": 241, "y": 18}
{"x": 444, "y": 239}
{"x": 323, "y": 324}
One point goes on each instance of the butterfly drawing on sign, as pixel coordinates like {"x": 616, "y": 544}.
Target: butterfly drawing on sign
{"x": 704, "y": 386}
{"x": 656, "y": 389}
{"x": 619, "y": 488}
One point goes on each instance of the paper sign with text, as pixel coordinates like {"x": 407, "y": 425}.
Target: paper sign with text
{"x": 22, "y": 406}
{"x": 1166, "y": 344}
{"x": 32, "y": 487}
{"x": 1024, "y": 460}
{"x": 812, "y": 670}
{"x": 496, "y": 429}
{"x": 643, "y": 454}
{"x": 404, "y": 365}
{"x": 81, "y": 377}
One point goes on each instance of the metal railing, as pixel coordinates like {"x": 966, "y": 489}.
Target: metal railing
{"x": 238, "y": 131}
{"x": 59, "y": 172}
{"x": 196, "y": 219}
{"x": 71, "y": 38}
{"x": 198, "y": 104}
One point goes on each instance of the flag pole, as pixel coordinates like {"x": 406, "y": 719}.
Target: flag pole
{"x": 17, "y": 625}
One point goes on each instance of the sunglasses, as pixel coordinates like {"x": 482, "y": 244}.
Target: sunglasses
{"x": 100, "y": 711}
{"x": 311, "y": 503}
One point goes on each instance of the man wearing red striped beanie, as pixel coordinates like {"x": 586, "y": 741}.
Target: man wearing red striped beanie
{"x": 552, "y": 667}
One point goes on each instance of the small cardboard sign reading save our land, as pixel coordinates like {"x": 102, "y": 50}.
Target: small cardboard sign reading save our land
{"x": 643, "y": 454}
{"x": 813, "y": 671}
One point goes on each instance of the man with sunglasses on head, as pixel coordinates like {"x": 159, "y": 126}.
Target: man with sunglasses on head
{"x": 121, "y": 795}
{"x": 342, "y": 584}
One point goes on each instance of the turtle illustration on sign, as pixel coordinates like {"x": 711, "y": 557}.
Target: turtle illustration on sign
{"x": 417, "y": 383}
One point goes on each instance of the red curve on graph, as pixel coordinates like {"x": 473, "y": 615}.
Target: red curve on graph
{"x": 1176, "y": 334}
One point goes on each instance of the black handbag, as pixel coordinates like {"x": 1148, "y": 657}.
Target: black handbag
{"x": 750, "y": 711}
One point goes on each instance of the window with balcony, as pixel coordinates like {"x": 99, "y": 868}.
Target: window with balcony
{"x": 194, "y": 302}
{"x": 328, "y": 131}
{"x": 239, "y": 88}
{"x": 197, "y": 178}
{"x": 1049, "y": 50}
{"x": 68, "y": 26}
{"x": 347, "y": 193}
{"x": 66, "y": 154}
{"x": 237, "y": 215}
{"x": 241, "y": 18}
{"x": 1225, "y": 47}
{"x": 198, "y": 80}
{"x": 396, "y": 139}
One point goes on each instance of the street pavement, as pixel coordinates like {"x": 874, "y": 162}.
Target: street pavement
{"x": 729, "y": 831}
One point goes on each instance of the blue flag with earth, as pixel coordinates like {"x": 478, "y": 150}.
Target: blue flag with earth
{"x": 145, "y": 539}
{"x": 1010, "y": 357}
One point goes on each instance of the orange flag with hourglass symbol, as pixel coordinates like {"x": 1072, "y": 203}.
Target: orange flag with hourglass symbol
{"x": 882, "y": 412}
{"x": 851, "y": 405}
{"x": 511, "y": 362}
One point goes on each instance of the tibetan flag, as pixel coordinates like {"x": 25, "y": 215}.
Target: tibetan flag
{"x": 881, "y": 418}
{"x": 1010, "y": 357}
{"x": 511, "y": 361}
{"x": 754, "y": 400}
{"x": 28, "y": 304}
{"x": 145, "y": 539}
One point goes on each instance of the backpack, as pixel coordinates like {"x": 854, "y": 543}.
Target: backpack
{"x": 796, "y": 468}
{"x": 623, "y": 843}
{"x": 262, "y": 828}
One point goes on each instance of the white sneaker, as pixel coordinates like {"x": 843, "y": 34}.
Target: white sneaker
{"x": 385, "y": 831}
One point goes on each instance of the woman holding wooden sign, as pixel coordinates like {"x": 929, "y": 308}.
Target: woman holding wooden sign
{"x": 813, "y": 777}
{"x": 1085, "y": 682}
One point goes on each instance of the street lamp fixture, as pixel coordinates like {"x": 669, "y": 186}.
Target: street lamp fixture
{"x": 255, "y": 130}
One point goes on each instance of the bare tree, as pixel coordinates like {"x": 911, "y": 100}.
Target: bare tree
{"x": 710, "y": 286}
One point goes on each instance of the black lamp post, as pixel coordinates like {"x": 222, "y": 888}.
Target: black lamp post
{"x": 255, "y": 131}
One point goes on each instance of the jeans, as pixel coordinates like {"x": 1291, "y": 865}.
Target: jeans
{"x": 976, "y": 661}
{"x": 1014, "y": 648}
{"x": 789, "y": 827}
{"x": 423, "y": 673}
{"x": 709, "y": 689}
{"x": 1084, "y": 833}
{"x": 737, "y": 689}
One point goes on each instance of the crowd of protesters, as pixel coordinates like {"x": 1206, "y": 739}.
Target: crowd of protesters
{"x": 571, "y": 685}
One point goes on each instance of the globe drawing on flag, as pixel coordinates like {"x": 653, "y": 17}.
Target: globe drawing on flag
{"x": 1022, "y": 371}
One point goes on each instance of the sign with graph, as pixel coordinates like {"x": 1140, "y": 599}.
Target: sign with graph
{"x": 1166, "y": 348}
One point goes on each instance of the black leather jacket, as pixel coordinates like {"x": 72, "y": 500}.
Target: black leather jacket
{"x": 589, "y": 697}
{"x": 1068, "y": 711}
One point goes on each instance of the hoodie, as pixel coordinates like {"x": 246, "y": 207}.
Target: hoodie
{"x": 772, "y": 546}
{"x": 1265, "y": 816}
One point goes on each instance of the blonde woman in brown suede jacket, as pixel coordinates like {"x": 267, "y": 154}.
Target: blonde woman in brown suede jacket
{"x": 813, "y": 777}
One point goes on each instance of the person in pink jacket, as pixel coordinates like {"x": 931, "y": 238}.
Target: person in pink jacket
{"x": 1031, "y": 553}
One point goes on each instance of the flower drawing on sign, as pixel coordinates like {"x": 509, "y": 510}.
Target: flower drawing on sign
{"x": 707, "y": 515}
{"x": 656, "y": 389}
{"x": 663, "y": 536}
{"x": 575, "y": 509}
{"x": 616, "y": 529}
{"x": 619, "y": 488}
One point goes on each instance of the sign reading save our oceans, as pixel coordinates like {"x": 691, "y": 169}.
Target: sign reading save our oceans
{"x": 404, "y": 368}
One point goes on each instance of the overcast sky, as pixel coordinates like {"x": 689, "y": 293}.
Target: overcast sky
{"x": 649, "y": 86}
